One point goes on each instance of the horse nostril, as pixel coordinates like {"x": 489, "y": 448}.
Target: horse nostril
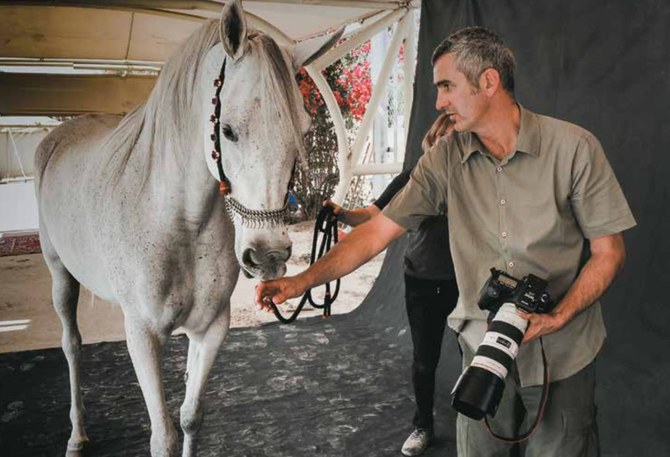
{"x": 253, "y": 258}
{"x": 281, "y": 255}
{"x": 249, "y": 257}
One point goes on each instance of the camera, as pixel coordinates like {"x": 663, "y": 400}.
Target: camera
{"x": 479, "y": 388}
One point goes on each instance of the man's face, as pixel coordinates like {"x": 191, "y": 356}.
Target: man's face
{"x": 456, "y": 96}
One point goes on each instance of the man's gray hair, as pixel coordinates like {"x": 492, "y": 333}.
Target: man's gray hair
{"x": 475, "y": 50}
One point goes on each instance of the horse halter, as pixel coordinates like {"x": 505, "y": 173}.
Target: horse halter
{"x": 251, "y": 218}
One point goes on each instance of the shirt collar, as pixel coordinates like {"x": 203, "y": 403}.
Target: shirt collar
{"x": 528, "y": 140}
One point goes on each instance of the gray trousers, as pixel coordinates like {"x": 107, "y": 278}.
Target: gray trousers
{"x": 568, "y": 427}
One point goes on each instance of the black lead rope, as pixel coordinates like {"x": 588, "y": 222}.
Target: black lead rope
{"x": 326, "y": 223}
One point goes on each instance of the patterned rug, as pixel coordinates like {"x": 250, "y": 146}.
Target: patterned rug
{"x": 25, "y": 243}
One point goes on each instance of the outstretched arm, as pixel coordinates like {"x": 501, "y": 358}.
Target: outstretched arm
{"x": 607, "y": 257}
{"x": 362, "y": 244}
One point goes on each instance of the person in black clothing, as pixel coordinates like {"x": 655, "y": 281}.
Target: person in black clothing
{"x": 430, "y": 294}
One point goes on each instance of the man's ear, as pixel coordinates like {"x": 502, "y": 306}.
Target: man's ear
{"x": 233, "y": 29}
{"x": 308, "y": 51}
{"x": 489, "y": 81}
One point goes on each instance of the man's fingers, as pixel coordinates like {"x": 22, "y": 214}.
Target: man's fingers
{"x": 263, "y": 292}
{"x": 277, "y": 292}
{"x": 278, "y": 299}
{"x": 269, "y": 292}
{"x": 336, "y": 208}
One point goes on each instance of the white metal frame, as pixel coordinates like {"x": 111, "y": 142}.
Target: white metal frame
{"x": 379, "y": 91}
{"x": 348, "y": 157}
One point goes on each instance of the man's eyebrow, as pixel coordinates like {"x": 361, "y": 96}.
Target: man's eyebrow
{"x": 442, "y": 82}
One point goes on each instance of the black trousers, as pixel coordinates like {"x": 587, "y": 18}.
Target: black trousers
{"x": 428, "y": 302}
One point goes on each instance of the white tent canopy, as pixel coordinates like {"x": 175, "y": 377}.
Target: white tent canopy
{"x": 149, "y": 30}
{"x": 142, "y": 34}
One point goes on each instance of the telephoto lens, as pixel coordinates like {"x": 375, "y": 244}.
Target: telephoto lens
{"x": 479, "y": 388}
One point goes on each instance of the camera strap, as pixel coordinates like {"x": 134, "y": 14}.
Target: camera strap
{"x": 540, "y": 411}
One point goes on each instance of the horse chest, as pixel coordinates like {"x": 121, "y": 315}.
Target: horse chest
{"x": 178, "y": 280}
{"x": 214, "y": 280}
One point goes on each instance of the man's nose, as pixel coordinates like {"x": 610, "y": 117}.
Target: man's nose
{"x": 441, "y": 103}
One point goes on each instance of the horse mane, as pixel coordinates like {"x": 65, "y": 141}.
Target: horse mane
{"x": 279, "y": 95}
{"x": 165, "y": 114}
{"x": 168, "y": 114}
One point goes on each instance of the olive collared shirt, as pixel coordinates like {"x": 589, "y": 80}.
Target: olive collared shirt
{"x": 531, "y": 212}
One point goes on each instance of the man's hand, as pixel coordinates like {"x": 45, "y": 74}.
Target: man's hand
{"x": 337, "y": 209}
{"x": 353, "y": 217}
{"x": 358, "y": 247}
{"x": 540, "y": 325}
{"x": 607, "y": 257}
{"x": 278, "y": 291}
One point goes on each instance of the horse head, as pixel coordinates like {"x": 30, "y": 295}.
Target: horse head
{"x": 261, "y": 128}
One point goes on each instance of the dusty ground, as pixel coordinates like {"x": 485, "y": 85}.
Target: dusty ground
{"x": 28, "y": 320}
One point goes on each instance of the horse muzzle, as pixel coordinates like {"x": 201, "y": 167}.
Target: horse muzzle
{"x": 265, "y": 264}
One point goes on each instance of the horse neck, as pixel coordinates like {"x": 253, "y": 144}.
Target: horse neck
{"x": 178, "y": 185}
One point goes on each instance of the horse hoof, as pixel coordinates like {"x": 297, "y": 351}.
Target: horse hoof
{"x": 76, "y": 448}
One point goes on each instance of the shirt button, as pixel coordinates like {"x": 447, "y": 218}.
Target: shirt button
{"x": 511, "y": 264}
{"x": 499, "y": 169}
{"x": 503, "y": 201}
{"x": 504, "y": 234}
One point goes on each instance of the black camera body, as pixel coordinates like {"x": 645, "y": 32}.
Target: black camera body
{"x": 528, "y": 294}
{"x": 480, "y": 387}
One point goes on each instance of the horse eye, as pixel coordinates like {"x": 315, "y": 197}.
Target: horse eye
{"x": 227, "y": 131}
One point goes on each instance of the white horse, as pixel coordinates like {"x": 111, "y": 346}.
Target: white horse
{"x": 129, "y": 209}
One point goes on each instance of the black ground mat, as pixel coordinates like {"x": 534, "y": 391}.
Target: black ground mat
{"x": 337, "y": 387}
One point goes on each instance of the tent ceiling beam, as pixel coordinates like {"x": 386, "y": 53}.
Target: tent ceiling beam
{"x": 138, "y": 6}
{"x": 27, "y": 94}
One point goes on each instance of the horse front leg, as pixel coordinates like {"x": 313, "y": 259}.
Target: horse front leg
{"x": 146, "y": 348}
{"x": 202, "y": 351}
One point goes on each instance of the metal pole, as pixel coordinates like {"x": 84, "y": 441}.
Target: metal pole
{"x": 377, "y": 95}
{"x": 409, "y": 64}
{"x": 376, "y": 169}
{"x": 16, "y": 153}
{"x": 338, "y": 122}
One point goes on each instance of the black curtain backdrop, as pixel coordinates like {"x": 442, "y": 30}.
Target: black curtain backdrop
{"x": 603, "y": 65}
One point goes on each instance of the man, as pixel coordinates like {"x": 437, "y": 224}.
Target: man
{"x": 526, "y": 194}
{"x": 430, "y": 293}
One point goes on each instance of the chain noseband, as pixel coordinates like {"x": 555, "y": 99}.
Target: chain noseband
{"x": 252, "y": 218}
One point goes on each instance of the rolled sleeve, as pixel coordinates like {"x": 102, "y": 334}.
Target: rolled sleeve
{"x": 597, "y": 200}
{"x": 425, "y": 193}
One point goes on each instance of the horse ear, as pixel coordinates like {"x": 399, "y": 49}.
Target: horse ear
{"x": 233, "y": 29}
{"x": 308, "y": 51}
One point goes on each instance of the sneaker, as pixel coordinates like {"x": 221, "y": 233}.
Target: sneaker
{"x": 417, "y": 442}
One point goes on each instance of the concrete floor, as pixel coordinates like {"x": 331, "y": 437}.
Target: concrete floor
{"x": 28, "y": 320}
